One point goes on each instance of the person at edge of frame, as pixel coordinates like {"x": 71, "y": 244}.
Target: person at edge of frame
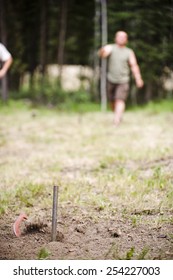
{"x": 6, "y": 59}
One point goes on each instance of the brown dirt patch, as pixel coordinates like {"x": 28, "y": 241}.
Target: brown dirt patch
{"x": 84, "y": 235}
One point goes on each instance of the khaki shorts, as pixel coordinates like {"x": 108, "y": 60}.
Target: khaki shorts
{"x": 118, "y": 91}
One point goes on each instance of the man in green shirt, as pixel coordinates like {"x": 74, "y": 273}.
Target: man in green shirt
{"x": 121, "y": 60}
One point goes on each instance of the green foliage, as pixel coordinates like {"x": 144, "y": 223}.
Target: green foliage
{"x": 53, "y": 95}
{"x": 150, "y": 35}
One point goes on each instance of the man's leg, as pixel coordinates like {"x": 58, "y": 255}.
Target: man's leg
{"x": 112, "y": 105}
{"x": 120, "y": 99}
{"x": 118, "y": 110}
{"x": 111, "y": 88}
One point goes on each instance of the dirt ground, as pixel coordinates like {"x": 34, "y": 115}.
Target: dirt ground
{"x": 95, "y": 236}
{"x": 115, "y": 204}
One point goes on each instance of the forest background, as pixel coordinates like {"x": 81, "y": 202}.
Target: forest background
{"x": 68, "y": 32}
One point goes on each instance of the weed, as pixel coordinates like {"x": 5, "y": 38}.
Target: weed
{"x": 43, "y": 254}
{"x": 103, "y": 165}
{"x": 28, "y": 194}
{"x": 143, "y": 254}
{"x": 112, "y": 250}
{"x": 130, "y": 254}
{"x": 5, "y": 200}
{"x": 134, "y": 221}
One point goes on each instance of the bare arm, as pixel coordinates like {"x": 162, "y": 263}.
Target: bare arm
{"x": 135, "y": 70}
{"x": 105, "y": 51}
{"x": 5, "y": 67}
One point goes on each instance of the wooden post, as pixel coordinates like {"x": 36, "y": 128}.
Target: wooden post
{"x": 54, "y": 213}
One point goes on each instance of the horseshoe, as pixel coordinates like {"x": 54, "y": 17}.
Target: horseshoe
{"x": 16, "y": 225}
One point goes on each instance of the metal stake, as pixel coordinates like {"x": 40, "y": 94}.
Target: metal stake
{"x": 54, "y": 212}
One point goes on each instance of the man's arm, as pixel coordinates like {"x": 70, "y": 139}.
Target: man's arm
{"x": 105, "y": 51}
{"x": 135, "y": 70}
{"x": 6, "y": 66}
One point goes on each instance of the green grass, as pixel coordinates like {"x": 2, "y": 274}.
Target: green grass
{"x": 43, "y": 254}
{"x": 155, "y": 107}
{"x": 103, "y": 170}
{"x": 129, "y": 255}
{"x": 94, "y": 163}
{"x": 68, "y": 107}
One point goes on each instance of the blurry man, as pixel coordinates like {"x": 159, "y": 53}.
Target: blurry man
{"x": 121, "y": 60}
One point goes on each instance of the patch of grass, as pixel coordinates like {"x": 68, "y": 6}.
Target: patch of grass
{"x": 3, "y": 140}
{"x": 169, "y": 197}
{"x": 5, "y": 201}
{"x": 43, "y": 254}
{"x": 27, "y": 195}
{"x": 134, "y": 220}
{"x": 130, "y": 254}
{"x": 12, "y": 106}
{"x": 117, "y": 171}
{"x": 162, "y": 106}
{"x": 155, "y": 107}
{"x": 143, "y": 254}
{"x": 112, "y": 250}
{"x": 80, "y": 108}
{"x": 101, "y": 204}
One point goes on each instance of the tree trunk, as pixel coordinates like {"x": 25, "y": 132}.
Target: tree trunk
{"x": 4, "y": 84}
{"x": 148, "y": 93}
{"x": 133, "y": 95}
{"x": 62, "y": 35}
{"x": 96, "y": 47}
{"x": 103, "y": 60}
{"x": 43, "y": 40}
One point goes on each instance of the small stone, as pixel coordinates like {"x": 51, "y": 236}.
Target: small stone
{"x": 114, "y": 232}
{"x": 80, "y": 229}
{"x": 59, "y": 236}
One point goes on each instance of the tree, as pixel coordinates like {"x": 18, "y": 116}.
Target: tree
{"x": 97, "y": 42}
{"x": 43, "y": 43}
{"x": 103, "y": 60}
{"x": 33, "y": 41}
{"x": 62, "y": 35}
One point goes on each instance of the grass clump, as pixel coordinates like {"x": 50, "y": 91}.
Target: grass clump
{"x": 5, "y": 200}
{"x": 29, "y": 194}
{"x": 43, "y": 254}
